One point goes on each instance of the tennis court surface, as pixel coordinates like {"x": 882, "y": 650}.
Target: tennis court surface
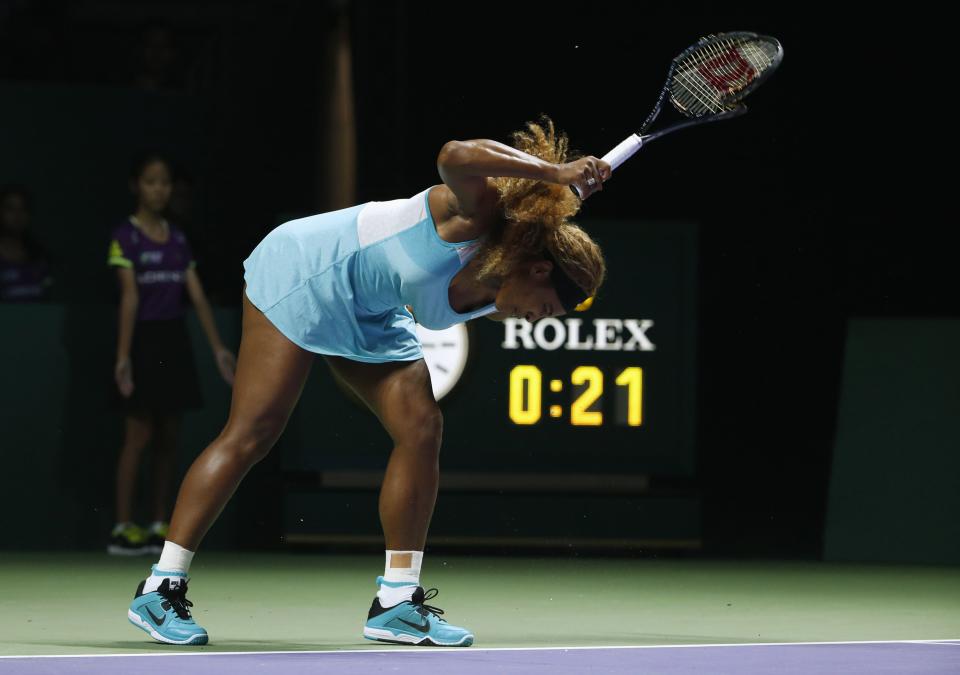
{"x": 304, "y": 613}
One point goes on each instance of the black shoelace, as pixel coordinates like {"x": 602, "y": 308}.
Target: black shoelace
{"x": 175, "y": 598}
{"x": 419, "y": 601}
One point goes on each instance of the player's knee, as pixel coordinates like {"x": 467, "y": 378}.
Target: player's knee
{"x": 425, "y": 433}
{"x": 251, "y": 441}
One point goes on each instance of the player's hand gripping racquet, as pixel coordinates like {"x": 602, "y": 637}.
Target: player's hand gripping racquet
{"x": 706, "y": 83}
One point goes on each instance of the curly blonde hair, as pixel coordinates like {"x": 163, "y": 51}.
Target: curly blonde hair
{"x": 536, "y": 216}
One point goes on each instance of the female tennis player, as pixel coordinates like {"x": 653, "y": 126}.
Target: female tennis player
{"x": 493, "y": 240}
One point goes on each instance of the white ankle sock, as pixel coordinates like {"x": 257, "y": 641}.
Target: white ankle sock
{"x": 399, "y": 583}
{"x": 174, "y": 564}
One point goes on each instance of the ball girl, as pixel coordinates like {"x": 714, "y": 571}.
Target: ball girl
{"x": 154, "y": 371}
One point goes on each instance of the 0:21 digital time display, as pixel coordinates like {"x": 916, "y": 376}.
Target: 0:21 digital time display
{"x": 526, "y": 396}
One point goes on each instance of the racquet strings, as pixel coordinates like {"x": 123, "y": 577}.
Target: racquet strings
{"x": 713, "y": 76}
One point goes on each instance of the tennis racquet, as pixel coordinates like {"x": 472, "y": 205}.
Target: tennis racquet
{"x": 706, "y": 83}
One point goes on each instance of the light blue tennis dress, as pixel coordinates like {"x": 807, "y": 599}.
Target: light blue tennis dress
{"x": 337, "y": 283}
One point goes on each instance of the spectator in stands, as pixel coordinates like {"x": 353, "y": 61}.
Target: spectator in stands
{"x": 24, "y": 271}
{"x": 158, "y": 65}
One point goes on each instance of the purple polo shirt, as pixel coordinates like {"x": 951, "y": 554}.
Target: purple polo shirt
{"x": 160, "y": 269}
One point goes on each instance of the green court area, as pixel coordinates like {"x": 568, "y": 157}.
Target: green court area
{"x": 76, "y": 603}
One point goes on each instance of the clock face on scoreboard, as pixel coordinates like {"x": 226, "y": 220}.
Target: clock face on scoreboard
{"x": 445, "y": 352}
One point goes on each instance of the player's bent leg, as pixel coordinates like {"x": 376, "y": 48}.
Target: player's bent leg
{"x": 401, "y": 396}
{"x": 270, "y": 375}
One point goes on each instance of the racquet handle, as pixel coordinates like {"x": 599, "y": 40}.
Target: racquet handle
{"x": 620, "y": 154}
{"x": 624, "y": 151}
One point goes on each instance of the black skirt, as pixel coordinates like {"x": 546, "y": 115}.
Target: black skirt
{"x": 164, "y": 372}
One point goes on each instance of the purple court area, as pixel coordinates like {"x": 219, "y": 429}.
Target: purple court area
{"x": 902, "y": 658}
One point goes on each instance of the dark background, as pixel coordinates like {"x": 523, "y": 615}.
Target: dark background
{"x": 809, "y": 209}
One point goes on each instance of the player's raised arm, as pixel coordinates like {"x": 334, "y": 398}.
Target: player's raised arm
{"x": 465, "y": 167}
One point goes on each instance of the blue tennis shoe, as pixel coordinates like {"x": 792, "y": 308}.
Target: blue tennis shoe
{"x": 414, "y": 623}
{"x": 165, "y": 614}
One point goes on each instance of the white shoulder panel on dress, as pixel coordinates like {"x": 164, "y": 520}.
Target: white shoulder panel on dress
{"x": 381, "y": 220}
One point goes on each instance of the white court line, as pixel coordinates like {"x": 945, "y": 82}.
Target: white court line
{"x": 400, "y": 649}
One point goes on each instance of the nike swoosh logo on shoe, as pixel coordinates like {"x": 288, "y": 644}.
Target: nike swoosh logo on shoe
{"x": 157, "y": 620}
{"x": 425, "y": 627}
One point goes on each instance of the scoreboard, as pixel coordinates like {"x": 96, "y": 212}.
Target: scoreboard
{"x": 586, "y": 382}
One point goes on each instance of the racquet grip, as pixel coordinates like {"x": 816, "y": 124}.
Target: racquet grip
{"x": 620, "y": 154}
{"x": 624, "y": 151}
